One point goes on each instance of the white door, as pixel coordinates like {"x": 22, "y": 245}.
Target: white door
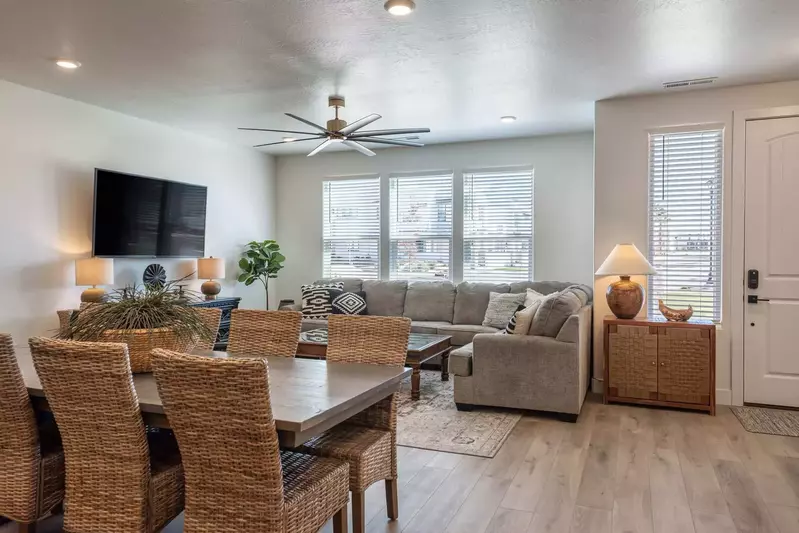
{"x": 771, "y": 327}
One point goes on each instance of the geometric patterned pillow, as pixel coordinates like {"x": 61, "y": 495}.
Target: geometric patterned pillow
{"x": 510, "y": 329}
{"x": 348, "y": 303}
{"x": 316, "y": 300}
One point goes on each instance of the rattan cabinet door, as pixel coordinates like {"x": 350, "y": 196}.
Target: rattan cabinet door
{"x": 684, "y": 365}
{"x": 632, "y": 362}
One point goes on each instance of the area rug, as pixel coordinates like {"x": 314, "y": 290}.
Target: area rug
{"x": 770, "y": 421}
{"x": 434, "y": 423}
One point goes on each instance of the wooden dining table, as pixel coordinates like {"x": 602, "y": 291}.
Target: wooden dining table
{"x": 308, "y": 396}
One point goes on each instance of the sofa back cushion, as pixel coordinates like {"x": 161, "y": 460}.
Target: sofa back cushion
{"x": 471, "y": 301}
{"x": 554, "y": 311}
{"x": 385, "y": 298}
{"x": 349, "y": 284}
{"x": 430, "y": 300}
{"x": 548, "y": 287}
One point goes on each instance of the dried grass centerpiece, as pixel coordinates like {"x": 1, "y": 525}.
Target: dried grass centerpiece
{"x": 143, "y": 317}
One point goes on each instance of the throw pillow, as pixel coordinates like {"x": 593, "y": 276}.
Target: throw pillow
{"x": 348, "y": 303}
{"x": 532, "y": 296}
{"x": 510, "y": 329}
{"x": 553, "y": 312}
{"x": 501, "y": 307}
{"x": 316, "y": 301}
{"x": 524, "y": 318}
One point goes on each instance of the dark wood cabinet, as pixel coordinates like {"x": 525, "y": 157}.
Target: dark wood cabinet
{"x": 226, "y": 305}
{"x": 656, "y": 362}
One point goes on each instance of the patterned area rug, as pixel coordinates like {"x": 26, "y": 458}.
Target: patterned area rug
{"x": 434, "y": 423}
{"x": 770, "y": 421}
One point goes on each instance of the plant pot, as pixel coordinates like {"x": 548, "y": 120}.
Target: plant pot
{"x": 142, "y": 341}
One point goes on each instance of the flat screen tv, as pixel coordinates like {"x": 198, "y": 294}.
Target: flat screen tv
{"x": 136, "y": 216}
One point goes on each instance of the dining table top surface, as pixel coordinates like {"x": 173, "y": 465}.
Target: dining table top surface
{"x": 307, "y": 395}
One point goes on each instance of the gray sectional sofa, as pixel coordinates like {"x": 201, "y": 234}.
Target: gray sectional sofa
{"x": 517, "y": 371}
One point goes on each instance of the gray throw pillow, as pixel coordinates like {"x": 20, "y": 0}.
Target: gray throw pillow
{"x": 501, "y": 307}
{"x": 553, "y": 312}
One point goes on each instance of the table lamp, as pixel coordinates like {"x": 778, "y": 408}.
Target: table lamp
{"x": 625, "y": 297}
{"x": 211, "y": 268}
{"x": 94, "y": 271}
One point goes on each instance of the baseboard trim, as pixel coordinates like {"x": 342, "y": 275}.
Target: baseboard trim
{"x": 723, "y": 397}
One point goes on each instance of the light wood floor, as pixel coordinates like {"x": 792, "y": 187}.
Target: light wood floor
{"x": 619, "y": 469}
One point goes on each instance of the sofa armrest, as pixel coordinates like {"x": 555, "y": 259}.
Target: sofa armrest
{"x": 528, "y": 372}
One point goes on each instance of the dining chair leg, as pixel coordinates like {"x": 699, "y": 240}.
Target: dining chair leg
{"x": 392, "y": 503}
{"x": 27, "y": 528}
{"x": 340, "y": 520}
{"x": 358, "y": 512}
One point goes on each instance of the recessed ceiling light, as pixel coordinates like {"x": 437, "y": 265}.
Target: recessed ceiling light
{"x": 69, "y": 64}
{"x": 400, "y": 8}
{"x": 289, "y": 139}
{"x": 507, "y": 119}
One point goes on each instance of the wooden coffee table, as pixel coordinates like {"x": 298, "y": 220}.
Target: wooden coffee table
{"x": 421, "y": 347}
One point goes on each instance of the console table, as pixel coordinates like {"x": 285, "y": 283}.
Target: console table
{"x": 656, "y": 362}
{"x": 226, "y": 305}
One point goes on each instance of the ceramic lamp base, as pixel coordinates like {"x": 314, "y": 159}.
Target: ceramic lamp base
{"x": 93, "y": 295}
{"x": 210, "y": 289}
{"x": 625, "y": 298}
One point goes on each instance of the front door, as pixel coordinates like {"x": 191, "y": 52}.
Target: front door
{"x": 771, "y": 327}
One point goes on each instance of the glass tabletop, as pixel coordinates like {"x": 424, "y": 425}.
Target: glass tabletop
{"x": 416, "y": 341}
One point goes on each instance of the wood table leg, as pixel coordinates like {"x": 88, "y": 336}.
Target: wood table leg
{"x": 416, "y": 381}
{"x": 445, "y": 366}
{"x": 392, "y": 502}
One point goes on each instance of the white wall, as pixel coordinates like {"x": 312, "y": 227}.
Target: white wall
{"x": 563, "y": 198}
{"x": 49, "y": 147}
{"x": 621, "y": 182}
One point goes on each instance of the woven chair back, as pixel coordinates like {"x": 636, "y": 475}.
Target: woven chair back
{"x": 19, "y": 441}
{"x": 221, "y": 414}
{"x": 377, "y": 340}
{"x": 262, "y": 333}
{"x": 212, "y": 317}
{"x": 89, "y": 387}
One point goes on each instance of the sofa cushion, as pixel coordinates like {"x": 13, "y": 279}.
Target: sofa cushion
{"x": 471, "y": 301}
{"x": 349, "y": 284}
{"x": 544, "y": 287}
{"x": 385, "y": 298}
{"x": 553, "y": 312}
{"x": 430, "y": 300}
{"x": 463, "y": 333}
{"x": 583, "y": 292}
{"x": 460, "y": 361}
{"x": 427, "y": 326}
{"x": 501, "y": 308}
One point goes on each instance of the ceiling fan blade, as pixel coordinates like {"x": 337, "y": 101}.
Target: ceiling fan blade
{"x": 281, "y": 131}
{"x": 289, "y": 142}
{"x": 317, "y": 126}
{"x": 320, "y": 148}
{"x": 394, "y": 142}
{"x": 377, "y": 133}
{"x": 360, "y": 123}
{"x": 358, "y": 146}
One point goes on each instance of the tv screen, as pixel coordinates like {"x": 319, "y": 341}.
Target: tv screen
{"x": 136, "y": 216}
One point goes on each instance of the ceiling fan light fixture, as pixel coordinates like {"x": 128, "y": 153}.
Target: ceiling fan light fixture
{"x": 400, "y": 8}
{"x": 507, "y": 119}
{"x": 68, "y": 64}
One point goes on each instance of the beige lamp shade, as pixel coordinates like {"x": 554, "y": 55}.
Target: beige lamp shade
{"x": 211, "y": 268}
{"x": 94, "y": 271}
{"x": 625, "y": 260}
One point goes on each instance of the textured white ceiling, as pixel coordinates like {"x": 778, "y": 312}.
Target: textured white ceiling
{"x": 455, "y": 66}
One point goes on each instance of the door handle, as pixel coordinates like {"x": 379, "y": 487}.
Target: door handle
{"x": 753, "y": 299}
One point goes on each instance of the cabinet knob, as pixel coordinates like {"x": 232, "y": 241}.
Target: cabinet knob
{"x": 663, "y": 364}
{"x": 653, "y": 363}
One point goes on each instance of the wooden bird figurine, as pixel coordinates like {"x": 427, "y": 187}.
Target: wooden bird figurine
{"x": 675, "y": 315}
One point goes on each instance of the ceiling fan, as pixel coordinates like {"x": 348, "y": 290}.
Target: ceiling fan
{"x": 350, "y": 135}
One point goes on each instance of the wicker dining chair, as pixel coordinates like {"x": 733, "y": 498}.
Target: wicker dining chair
{"x": 31, "y": 457}
{"x": 368, "y": 441}
{"x": 237, "y": 479}
{"x": 119, "y": 476}
{"x": 261, "y": 333}
{"x": 212, "y": 316}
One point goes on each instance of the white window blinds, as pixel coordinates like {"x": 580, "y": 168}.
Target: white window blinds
{"x": 351, "y": 228}
{"x": 420, "y": 226}
{"x": 498, "y": 226}
{"x": 685, "y": 177}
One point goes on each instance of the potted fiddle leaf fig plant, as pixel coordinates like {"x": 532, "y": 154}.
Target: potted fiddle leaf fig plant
{"x": 261, "y": 261}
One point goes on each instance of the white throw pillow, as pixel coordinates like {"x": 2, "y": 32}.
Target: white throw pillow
{"x": 501, "y": 306}
{"x": 524, "y": 318}
{"x": 532, "y": 296}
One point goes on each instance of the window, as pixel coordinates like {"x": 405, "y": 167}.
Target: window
{"x": 498, "y": 226}
{"x": 420, "y": 226}
{"x": 351, "y": 228}
{"x": 685, "y": 221}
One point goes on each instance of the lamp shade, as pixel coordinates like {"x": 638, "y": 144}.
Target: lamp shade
{"x": 625, "y": 260}
{"x": 94, "y": 271}
{"x": 211, "y": 268}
